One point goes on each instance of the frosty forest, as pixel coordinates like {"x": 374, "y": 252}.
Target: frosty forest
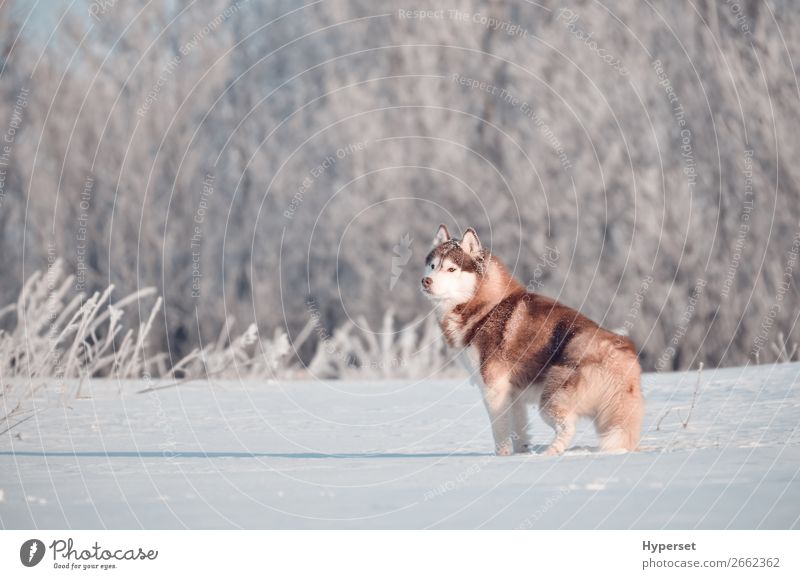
{"x": 284, "y": 165}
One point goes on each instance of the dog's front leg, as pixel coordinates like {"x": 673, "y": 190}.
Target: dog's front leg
{"x": 497, "y": 397}
{"x": 519, "y": 416}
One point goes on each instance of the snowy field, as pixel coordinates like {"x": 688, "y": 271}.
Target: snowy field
{"x": 398, "y": 455}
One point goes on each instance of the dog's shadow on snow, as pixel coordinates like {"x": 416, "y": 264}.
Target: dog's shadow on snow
{"x": 168, "y": 454}
{"x": 230, "y": 454}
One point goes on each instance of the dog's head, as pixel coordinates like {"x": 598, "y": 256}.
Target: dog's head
{"x": 453, "y": 268}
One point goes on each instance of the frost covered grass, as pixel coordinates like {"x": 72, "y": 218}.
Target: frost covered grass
{"x": 55, "y": 335}
{"x": 58, "y": 341}
{"x": 414, "y": 351}
{"x": 52, "y": 339}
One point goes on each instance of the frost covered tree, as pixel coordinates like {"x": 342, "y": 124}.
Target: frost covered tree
{"x": 249, "y": 159}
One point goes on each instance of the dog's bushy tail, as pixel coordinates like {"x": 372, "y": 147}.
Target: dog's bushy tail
{"x": 622, "y": 425}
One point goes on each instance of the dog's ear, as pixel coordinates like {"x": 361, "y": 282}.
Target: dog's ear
{"x": 471, "y": 244}
{"x": 442, "y": 235}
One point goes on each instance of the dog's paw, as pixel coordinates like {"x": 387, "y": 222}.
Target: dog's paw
{"x": 552, "y": 451}
{"x": 504, "y": 451}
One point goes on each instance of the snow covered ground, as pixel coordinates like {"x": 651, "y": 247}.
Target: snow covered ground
{"x": 399, "y": 455}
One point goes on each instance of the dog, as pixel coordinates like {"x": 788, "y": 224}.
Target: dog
{"x": 525, "y": 349}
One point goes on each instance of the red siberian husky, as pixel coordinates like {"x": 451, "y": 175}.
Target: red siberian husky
{"x": 527, "y": 349}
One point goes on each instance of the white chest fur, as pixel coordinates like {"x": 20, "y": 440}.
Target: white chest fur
{"x": 470, "y": 360}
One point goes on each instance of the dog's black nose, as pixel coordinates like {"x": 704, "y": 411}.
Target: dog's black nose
{"x": 426, "y": 282}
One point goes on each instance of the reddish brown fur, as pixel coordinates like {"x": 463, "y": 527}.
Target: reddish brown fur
{"x": 525, "y": 339}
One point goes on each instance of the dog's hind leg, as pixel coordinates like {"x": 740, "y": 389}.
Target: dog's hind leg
{"x": 619, "y": 426}
{"x": 557, "y": 407}
{"x": 619, "y": 420}
{"x": 564, "y": 425}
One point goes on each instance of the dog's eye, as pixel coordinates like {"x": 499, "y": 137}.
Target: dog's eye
{"x": 451, "y": 269}
{"x": 432, "y": 266}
